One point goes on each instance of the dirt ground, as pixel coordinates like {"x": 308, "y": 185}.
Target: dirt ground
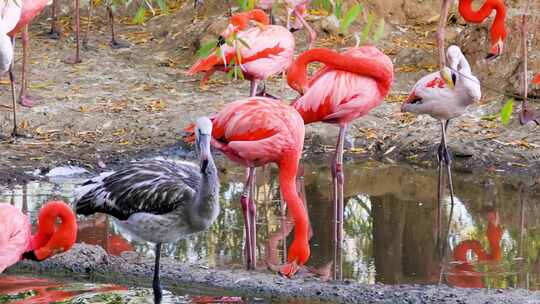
{"x": 119, "y": 103}
{"x": 93, "y": 262}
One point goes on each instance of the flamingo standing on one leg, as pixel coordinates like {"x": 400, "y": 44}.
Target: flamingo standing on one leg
{"x": 494, "y": 234}
{"x": 20, "y": 15}
{"x": 498, "y": 28}
{"x": 270, "y": 52}
{"x": 158, "y": 201}
{"x": 256, "y": 131}
{"x": 351, "y": 85}
{"x": 445, "y": 99}
{"x": 17, "y": 241}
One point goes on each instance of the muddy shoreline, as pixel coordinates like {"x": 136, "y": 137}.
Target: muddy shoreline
{"x": 92, "y": 261}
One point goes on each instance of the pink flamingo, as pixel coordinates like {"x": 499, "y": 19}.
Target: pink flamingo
{"x": 270, "y": 52}
{"x": 256, "y": 131}
{"x": 464, "y": 276}
{"x": 297, "y": 8}
{"x": 350, "y": 85}
{"x": 498, "y": 28}
{"x": 16, "y": 241}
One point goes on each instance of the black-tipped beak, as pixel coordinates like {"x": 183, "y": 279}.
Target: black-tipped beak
{"x": 30, "y": 255}
{"x": 491, "y": 56}
{"x": 204, "y": 151}
{"x": 204, "y": 165}
{"x": 221, "y": 41}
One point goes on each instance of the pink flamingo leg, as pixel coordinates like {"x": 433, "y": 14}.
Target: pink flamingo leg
{"x": 248, "y": 210}
{"x": 311, "y": 31}
{"x": 253, "y": 88}
{"x": 337, "y": 181}
{"x": 115, "y": 44}
{"x": 77, "y": 58}
{"x": 25, "y": 100}
{"x": 253, "y": 214}
{"x": 85, "y": 38}
{"x": 55, "y": 31}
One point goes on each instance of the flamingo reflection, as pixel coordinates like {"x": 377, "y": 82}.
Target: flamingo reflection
{"x": 96, "y": 231}
{"x": 464, "y": 274}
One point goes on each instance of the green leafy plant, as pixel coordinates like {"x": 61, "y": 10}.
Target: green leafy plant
{"x": 234, "y": 70}
{"x": 246, "y": 5}
{"x": 506, "y": 111}
{"x": 144, "y": 6}
{"x": 349, "y": 18}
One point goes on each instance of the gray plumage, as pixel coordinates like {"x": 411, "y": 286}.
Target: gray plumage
{"x": 156, "y": 200}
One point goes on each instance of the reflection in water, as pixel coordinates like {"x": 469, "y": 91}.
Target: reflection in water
{"x": 390, "y": 227}
{"x": 28, "y": 290}
{"x": 19, "y": 290}
{"x": 463, "y": 273}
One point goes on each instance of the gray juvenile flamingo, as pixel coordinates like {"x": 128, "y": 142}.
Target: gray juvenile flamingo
{"x": 158, "y": 201}
{"x": 445, "y": 99}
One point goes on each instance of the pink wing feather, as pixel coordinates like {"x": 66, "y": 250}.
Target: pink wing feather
{"x": 15, "y": 235}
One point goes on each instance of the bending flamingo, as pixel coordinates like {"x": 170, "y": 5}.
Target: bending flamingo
{"x": 297, "y": 8}
{"x": 22, "y": 15}
{"x": 17, "y": 241}
{"x": 494, "y": 234}
{"x": 256, "y": 131}
{"x": 498, "y": 28}
{"x": 445, "y": 99}
{"x": 350, "y": 85}
{"x": 270, "y": 52}
{"x": 158, "y": 201}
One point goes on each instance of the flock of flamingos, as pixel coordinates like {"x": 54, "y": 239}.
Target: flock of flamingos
{"x": 162, "y": 201}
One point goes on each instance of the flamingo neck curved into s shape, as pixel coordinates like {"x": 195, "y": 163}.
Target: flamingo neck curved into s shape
{"x": 498, "y": 30}
{"x": 365, "y": 66}
{"x": 49, "y": 239}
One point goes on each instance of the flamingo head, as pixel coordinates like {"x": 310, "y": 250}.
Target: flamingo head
{"x": 6, "y": 53}
{"x": 50, "y": 239}
{"x": 241, "y": 21}
{"x": 496, "y": 50}
{"x": 203, "y": 135}
{"x": 297, "y": 78}
{"x": 298, "y": 255}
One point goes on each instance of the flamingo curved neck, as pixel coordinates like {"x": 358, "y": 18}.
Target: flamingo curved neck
{"x": 494, "y": 234}
{"x": 497, "y": 30}
{"x": 206, "y": 207}
{"x": 287, "y": 184}
{"x": 364, "y": 66}
{"x": 48, "y": 237}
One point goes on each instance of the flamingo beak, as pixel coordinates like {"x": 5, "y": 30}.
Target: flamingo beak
{"x": 496, "y": 50}
{"x": 446, "y": 75}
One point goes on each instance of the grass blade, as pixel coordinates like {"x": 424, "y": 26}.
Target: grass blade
{"x": 506, "y": 111}
{"x": 350, "y": 17}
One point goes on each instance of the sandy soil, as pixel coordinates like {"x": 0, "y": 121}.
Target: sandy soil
{"x": 118, "y": 103}
{"x": 93, "y": 261}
